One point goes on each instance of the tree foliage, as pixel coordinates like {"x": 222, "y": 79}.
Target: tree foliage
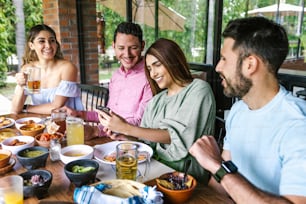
{"x": 7, "y": 40}
{"x": 33, "y": 15}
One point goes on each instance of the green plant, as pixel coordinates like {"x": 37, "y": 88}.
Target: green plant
{"x": 7, "y": 40}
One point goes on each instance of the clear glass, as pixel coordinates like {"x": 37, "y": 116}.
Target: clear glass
{"x": 11, "y": 190}
{"x": 58, "y": 116}
{"x": 33, "y": 80}
{"x": 55, "y": 149}
{"x": 74, "y": 130}
{"x": 126, "y": 161}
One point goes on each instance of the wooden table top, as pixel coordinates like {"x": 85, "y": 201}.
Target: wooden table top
{"x": 61, "y": 190}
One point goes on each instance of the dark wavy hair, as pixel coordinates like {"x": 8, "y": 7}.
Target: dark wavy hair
{"x": 30, "y": 55}
{"x": 173, "y": 58}
{"x": 259, "y": 36}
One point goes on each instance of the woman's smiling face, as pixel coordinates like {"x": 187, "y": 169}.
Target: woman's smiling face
{"x": 158, "y": 72}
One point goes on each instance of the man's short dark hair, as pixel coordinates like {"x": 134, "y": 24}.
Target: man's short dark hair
{"x": 129, "y": 29}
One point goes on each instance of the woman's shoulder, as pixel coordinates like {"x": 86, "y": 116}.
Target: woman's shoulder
{"x": 65, "y": 63}
{"x": 199, "y": 84}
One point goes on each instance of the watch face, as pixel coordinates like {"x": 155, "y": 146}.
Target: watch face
{"x": 229, "y": 167}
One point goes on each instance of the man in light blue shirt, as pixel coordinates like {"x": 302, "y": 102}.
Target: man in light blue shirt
{"x": 264, "y": 156}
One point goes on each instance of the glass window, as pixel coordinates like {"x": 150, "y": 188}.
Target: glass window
{"x": 287, "y": 13}
{"x": 180, "y": 20}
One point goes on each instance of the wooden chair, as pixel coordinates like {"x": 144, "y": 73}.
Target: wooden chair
{"x": 93, "y": 96}
{"x": 219, "y": 131}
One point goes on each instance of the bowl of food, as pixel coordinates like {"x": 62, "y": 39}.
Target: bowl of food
{"x": 5, "y": 156}
{"x": 36, "y": 183}
{"x": 174, "y": 188}
{"x": 33, "y": 157}
{"x": 31, "y": 129}
{"x": 81, "y": 172}
{"x": 27, "y": 121}
{"x": 76, "y": 152}
{"x": 44, "y": 139}
{"x": 7, "y": 133}
{"x": 17, "y": 143}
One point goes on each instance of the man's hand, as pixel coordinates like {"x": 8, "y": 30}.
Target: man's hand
{"x": 207, "y": 153}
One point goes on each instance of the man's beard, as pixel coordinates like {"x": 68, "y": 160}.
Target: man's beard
{"x": 238, "y": 88}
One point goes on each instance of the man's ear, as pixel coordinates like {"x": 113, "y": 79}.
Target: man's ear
{"x": 143, "y": 43}
{"x": 251, "y": 64}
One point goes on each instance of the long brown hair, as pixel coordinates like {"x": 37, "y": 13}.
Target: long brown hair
{"x": 173, "y": 58}
{"x": 30, "y": 55}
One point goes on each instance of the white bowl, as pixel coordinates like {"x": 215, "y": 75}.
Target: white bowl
{"x": 21, "y": 121}
{"x": 75, "y": 152}
{"x": 14, "y": 149}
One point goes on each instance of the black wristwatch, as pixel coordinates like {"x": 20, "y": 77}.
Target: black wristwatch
{"x": 227, "y": 167}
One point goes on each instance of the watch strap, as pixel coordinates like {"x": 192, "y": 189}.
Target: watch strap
{"x": 227, "y": 167}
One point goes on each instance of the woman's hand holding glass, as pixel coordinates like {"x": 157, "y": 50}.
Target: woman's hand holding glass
{"x": 21, "y": 79}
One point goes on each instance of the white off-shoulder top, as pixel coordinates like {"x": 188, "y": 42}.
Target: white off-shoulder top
{"x": 65, "y": 88}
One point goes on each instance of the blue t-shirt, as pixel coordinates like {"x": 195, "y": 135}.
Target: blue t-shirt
{"x": 268, "y": 145}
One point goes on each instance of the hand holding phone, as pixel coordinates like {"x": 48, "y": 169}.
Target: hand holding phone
{"x": 107, "y": 111}
{"x": 104, "y": 109}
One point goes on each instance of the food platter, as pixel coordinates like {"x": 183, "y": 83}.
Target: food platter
{"x": 106, "y": 153}
{"x": 6, "y": 122}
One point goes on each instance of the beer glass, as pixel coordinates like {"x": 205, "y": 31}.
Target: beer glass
{"x": 33, "y": 80}
{"x": 126, "y": 161}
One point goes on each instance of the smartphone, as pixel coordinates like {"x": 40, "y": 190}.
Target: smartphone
{"x": 104, "y": 109}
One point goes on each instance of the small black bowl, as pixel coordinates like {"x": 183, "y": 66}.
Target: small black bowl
{"x": 38, "y": 190}
{"x": 79, "y": 179}
{"x": 33, "y": 162}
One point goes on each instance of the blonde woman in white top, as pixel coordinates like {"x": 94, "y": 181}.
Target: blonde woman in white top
{"x": 58, "y": 76}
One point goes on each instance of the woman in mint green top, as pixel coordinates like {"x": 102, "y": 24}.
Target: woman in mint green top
{"x": 181, "y": 111}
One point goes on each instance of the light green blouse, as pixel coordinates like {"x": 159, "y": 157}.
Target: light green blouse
{"x": 187, "y": 116}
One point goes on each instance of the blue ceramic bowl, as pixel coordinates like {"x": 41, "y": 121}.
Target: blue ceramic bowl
{"x": 79, "y": 179}
{"x": 40, "y": 190}
{"x": 29, "y": 158}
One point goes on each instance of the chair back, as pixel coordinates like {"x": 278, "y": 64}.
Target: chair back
{"x": 93, "y": 96}
{"x": 219, "y": 131}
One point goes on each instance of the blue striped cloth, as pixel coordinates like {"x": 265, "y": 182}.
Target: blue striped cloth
{"x": 95, "y": 195}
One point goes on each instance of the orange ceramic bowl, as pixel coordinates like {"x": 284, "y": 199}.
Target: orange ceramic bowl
{"x": 177, "y": 196}
{"x": 32, "y": 129}
{"x": 44, "y": 139}
{"x": 5, "y": 156}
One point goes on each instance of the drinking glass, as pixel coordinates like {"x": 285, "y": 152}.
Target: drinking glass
{"x": 126, "y": 161}
{"x": 74, "y": 130}
{"x": 58, "y": 116}
{"x": 11, "y": 190}
{"x": 33, "y": 80}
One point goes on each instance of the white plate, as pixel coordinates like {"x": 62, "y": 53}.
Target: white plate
{"x": 21, "y": 121}
{"x": 8, "y": 125}
{"x": 100, "y": 151}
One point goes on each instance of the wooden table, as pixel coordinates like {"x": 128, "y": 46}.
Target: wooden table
{"x": 61, "y": 190}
